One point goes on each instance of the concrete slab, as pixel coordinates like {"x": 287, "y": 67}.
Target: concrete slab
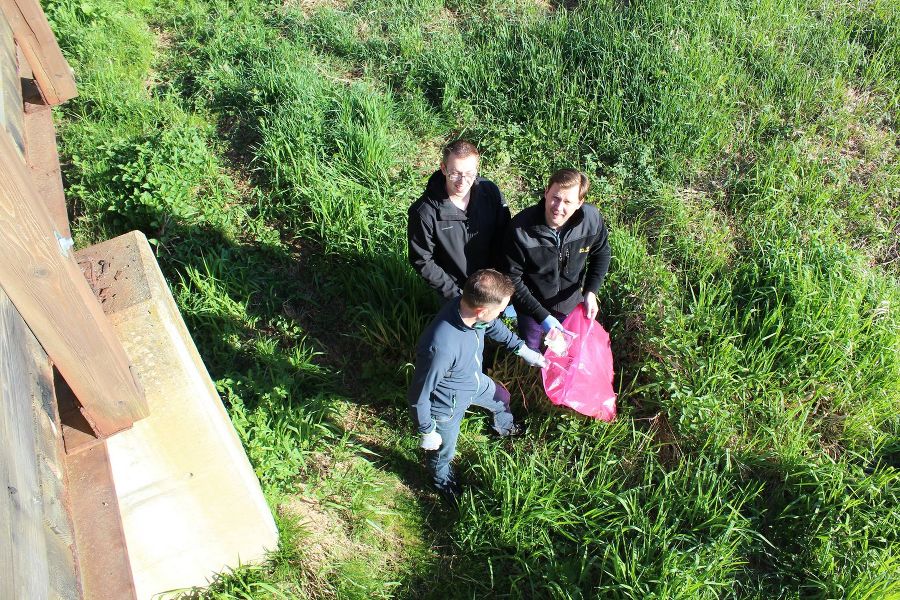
{"x": 191, "y": 504}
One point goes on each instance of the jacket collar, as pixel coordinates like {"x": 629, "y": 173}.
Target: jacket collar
{"x": 452, "y": 315}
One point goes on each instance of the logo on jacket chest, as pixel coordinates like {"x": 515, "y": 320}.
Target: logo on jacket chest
{"x": 584, "y": 250}
{"x": 468, "y": 227}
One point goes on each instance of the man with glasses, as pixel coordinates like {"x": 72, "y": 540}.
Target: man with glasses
{"x": 456, "y": 227}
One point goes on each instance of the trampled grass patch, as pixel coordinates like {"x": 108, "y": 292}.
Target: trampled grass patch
{"x": 745, "y": 156}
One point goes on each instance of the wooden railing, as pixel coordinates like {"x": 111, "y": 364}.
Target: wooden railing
{"x": 37, "y": 269}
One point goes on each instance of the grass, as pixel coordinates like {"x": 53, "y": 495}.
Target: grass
{"x": 745, "y": 156}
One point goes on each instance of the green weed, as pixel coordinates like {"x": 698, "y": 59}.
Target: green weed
{"x": 745, "y": 156}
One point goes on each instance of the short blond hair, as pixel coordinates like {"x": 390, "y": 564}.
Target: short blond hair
{"x": 460, "y": 149}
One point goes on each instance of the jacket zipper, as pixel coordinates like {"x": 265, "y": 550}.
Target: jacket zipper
{"x": 557, "y": 238}
{"x": 478, "y": 362}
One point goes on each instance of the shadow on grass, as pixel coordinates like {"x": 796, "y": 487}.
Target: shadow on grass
{"x": 247, "y": 306}
{"x": 251, "y": 306}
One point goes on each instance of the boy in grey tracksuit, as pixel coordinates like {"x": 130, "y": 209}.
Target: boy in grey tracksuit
{"x": 448, "y": 377}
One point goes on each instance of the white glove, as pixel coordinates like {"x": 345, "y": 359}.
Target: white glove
{"x": 431, "y": 440}
{"x": 535, "y": 359}
{"x": 591, "y": 308}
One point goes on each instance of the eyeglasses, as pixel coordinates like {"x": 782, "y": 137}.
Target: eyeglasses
{"x": 457, "y": 176}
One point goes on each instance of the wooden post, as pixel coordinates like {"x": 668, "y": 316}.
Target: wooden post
{"x": 38, "y": 44}
{"x": 36, "y": 545}
{"x": 46, "y": 285}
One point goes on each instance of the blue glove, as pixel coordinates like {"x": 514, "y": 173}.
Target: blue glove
{"x": 510, "y": 312}
{"x": 551, "y": 322}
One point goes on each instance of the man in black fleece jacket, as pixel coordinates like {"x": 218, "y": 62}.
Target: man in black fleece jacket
{"x": 557, "y": 254}
{"x": 456, "y": 227}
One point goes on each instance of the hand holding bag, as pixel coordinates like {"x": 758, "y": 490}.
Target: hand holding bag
{"x": 581, "y": 377}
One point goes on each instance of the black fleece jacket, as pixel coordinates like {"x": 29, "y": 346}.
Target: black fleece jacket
{"x": 446, "y": 244}
{"x": 550, "y": 272}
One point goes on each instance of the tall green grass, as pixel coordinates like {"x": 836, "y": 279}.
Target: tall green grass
{"x": 745, "y": 155}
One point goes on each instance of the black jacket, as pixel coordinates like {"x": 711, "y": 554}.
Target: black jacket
{"x": 446, "y": 245}
{"x": 553, "y": 273}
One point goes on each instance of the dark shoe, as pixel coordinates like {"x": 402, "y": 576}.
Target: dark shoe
{"x": 450, "y": 492}
{"x": 454, "y": 479}
{"x": 517, "y": 430}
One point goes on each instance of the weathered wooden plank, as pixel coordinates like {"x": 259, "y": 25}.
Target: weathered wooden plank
{"x": 58, "y": 532}
{"x": 47, "y": 431}
{"x": 43, "y": 162}
{"x": 54, "y": 512}
{"x": 38, "y": 44}
{"x": 37, "y": 446}
{"x": 61, "y": 580}
{"x": 49, "y": 290}
{"x": 105, "y": 568}
{"x": 23, "y": 550}
{"x": 11, "y": 97}
{"x": 40, "y": 150}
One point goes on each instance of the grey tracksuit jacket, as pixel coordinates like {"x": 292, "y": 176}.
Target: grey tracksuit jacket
{"x": 448, "y": 364}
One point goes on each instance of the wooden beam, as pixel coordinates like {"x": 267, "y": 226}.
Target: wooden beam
{"x": 104, "y": 566}
{"x": 38, "y": 44}
{"x": 46, "y": 285}
{"x": 40, "y": 149}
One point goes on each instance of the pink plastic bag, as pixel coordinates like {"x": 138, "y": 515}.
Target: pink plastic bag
{"x": 582, "y": 376}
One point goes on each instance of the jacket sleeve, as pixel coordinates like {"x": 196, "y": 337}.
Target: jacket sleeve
{"x": 420, "y": 238}
{"x": 502, "y": 220}
{"x": 515, "y": 268}
{"x": 431, "y": 364}
{"x": 500, "y": 333}
{"x": 598, "y": 260}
